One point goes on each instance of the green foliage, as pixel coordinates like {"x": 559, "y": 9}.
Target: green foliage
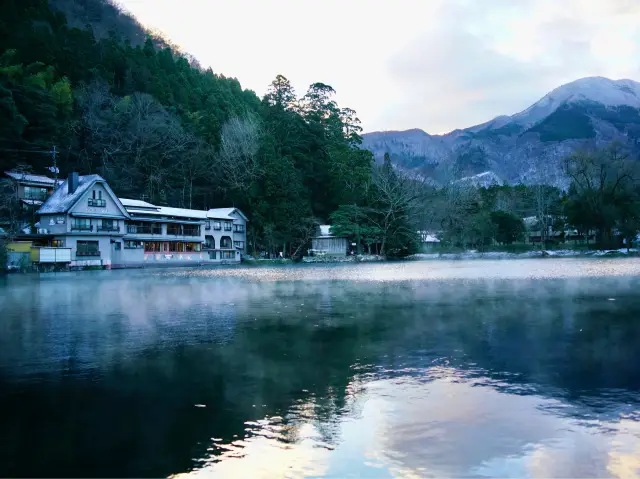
{"x": 508, "y": 227}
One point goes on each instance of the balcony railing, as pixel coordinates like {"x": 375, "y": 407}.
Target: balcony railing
{"x": 114, "y": 228}
{"x": 81, "y": 227}
{"x": 88, "y": 253}
{"x": 97, "y": 202}
{"x": 185, "y": 231}
{"x": 36, "y": 196}
{"x": 144, "y": 230}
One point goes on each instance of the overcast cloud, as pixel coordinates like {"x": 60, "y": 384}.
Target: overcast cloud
{"x": 431, "y": 64}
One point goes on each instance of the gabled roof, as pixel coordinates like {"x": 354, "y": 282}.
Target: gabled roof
{"x": 224, "y": 213}
{"x": 61, "y": 201}
{"x": 38, "y": 180}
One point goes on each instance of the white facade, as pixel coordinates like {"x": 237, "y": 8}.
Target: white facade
{"x": 103, "y": 230}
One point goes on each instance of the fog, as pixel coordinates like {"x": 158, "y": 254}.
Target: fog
{"x": 98, "y": 365}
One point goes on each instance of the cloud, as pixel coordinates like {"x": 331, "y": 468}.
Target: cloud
{"x": 436, "y": 65}
{"x": 484, "y": 59}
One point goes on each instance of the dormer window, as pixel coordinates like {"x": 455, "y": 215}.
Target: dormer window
{"x": 96, "y": 199}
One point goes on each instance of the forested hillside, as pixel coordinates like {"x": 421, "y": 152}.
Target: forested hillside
{"x": 157, "y": 126}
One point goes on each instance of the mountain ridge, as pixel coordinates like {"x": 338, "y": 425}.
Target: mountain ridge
{"x": 521, "y": 147}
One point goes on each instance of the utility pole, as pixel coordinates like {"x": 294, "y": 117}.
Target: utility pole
{"x": 54, "y": 154}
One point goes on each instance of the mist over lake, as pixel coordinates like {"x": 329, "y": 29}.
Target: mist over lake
{"x": 524, "y": 368}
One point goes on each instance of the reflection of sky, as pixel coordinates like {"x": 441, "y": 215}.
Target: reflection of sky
{"x": 440, "y": 425}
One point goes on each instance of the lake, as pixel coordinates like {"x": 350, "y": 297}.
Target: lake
{"x": 519, "y": 368}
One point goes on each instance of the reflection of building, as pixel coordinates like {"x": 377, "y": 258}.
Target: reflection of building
{"x": 85, "y": 216}
{"x": 326, "y": 243}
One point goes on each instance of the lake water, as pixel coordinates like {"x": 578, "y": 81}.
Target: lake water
{"x": 421, "y": 369}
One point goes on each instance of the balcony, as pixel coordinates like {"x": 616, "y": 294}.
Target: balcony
{"x": 97, "y": 203}
{"x": 183, "y": 230}
{"x": 84, "y": 254}
{"x": 150, "y": 229}
{"x": 112, "y": 228}
{"x": 81, "y": 227}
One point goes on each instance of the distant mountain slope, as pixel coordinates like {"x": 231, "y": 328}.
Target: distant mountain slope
{"x": 527, "y": 146}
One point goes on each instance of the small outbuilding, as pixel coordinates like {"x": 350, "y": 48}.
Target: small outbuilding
{"x": 325, "y": 243}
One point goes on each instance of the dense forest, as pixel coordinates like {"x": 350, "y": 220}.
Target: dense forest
{"x": 86, "y": 79}
{"x": 159, "y": 127}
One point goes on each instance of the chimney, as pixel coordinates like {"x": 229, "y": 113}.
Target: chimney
{"x": 72, "y": 182}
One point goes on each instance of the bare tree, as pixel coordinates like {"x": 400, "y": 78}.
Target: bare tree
{"x": 602, "y": 181}
{"x": 397, "y": 201}
{"x": 238, "y": 155}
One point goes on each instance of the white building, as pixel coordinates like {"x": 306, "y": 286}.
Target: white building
{"x": 85, "y": 216}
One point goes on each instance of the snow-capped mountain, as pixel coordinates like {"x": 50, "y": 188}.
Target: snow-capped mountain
{"x": 527, "y": 146}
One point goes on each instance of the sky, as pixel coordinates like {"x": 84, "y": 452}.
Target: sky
{"x": 437, "y": 65}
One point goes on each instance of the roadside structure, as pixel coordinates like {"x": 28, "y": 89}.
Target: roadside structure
{"x": 325, "y": 243}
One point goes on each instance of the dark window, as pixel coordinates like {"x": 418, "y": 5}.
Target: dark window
{"x": 142, "y": 228}
{"x": 227, "y": 255}
{"x": 35, "y": 193}
{"x": 225, "y": 242}
{"x": 81, "y": 224}
{"x": 133, "y": 244}
{"x": 239, "y": 244}
{"x": 108, "y": 225}
{"x": 207, "y": 225}
{"x": 239, "y": 228}
{"x": 227, "y": 225}
{"x": 57, "y": 243}
{"x": 87, "y": 248}
{"x": 216, "y": 225}
{"x": 118, "y": 246}
{"x": 152, "y": 246}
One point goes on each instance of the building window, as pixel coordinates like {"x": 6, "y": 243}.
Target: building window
{"x": 193, "y": 247}
{"x": 227, "y": 254}
{"x": 133, "y": 245}
{"x": 108, "y": 225}
{"x": 118, "y": 245}
{"x": 207, "y": 225}
{"x": 81, "y": 224}
{"x": 227, "y": 226}
{"x": 152, "y": 246}
{"x": 217, "y": 225}
{"x": 142, "y": 228}
{"x": 183, "y": 230}
{"x": 225, "y": 242}
{"x": 239, "y": 228}
{"x": 87, "y": 248}
{"x": 57, "y": 243}
{"x": 35, "y": 193}
{"x": 239, "y": 244}
{"x": 60, "y": 220}
{"x": 210, "y": 242}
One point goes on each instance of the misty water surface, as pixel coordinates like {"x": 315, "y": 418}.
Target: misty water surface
{"x": 477, "y": 368}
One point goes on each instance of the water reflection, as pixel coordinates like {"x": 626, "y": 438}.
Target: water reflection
{"x": 460, "y": 369}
